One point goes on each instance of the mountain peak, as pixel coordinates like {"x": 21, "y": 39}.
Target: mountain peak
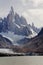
{"x": 11, "y": 15}
{"x": 12, "y": 10}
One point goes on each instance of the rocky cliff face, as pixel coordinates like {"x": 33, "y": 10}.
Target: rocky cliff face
{"x": 5, "y": 43}
{"x": 35, "y": 44}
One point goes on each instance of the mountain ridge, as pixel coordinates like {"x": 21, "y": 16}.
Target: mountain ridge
{"x": 17, "y": 24}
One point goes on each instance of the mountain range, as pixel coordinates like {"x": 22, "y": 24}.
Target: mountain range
{"x": 17, "y": 36}
{"x": 17, "y": 24}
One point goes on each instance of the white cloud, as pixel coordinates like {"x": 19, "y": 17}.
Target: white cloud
{"x": 32, "y": 3}
{"x": 34, "y": 15}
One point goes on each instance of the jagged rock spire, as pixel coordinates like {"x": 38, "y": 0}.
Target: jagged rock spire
{"x": 11, "y": 15}
{"x": 12, "y": 10}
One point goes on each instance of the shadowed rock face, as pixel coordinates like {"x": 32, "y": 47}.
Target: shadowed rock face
{"x": 23, "y": 41}
{"x": 35, "y": 44}
{"x": 4, "y": 42}
{"x": 41, "y": 32}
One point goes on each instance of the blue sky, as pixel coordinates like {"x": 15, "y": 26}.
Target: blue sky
{"x": 32, "y": 10}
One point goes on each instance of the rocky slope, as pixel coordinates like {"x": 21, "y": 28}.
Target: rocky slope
{"x": 35, "y": 44}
